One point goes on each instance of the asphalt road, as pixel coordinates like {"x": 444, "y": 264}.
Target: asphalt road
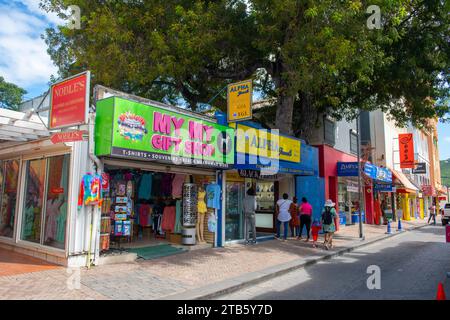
{"x": 410, "y": 266}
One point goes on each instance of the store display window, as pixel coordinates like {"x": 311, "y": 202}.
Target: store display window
{"x": 9, "y": 177}
{"x": 265, "y": 196}
{"x": 56, "y": 201}
{"x": 33, "y": 200}
{"x": 45, "y": 201}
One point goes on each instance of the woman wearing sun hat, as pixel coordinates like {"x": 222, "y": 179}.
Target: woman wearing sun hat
{"x": 328, "y": 226}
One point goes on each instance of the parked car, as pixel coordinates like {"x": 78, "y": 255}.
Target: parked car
{"x": 445, "y": 212}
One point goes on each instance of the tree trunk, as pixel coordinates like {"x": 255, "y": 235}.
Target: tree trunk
{"x": 305, "y": 117}
{"x": 285, "y": 109}
{"x": 285, "y": 103}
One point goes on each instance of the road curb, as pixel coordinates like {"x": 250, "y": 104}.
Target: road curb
{"x": 232, "y": 285}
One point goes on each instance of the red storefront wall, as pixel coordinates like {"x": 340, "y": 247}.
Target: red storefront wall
{"x": 328, "y": 159}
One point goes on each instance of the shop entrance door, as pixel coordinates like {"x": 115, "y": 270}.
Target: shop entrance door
{"x": 234, "y": 211}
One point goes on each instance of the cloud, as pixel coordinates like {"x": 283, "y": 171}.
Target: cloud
{"x": 33, "y": 7}
{"x": 23, "y": 54}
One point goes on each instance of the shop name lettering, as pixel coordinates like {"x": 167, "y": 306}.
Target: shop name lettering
{"x": 241, "y": 89}
{"x": 200, "y": 135}
{"x": 70, "y": 89}
{"x": 270, "y": 145}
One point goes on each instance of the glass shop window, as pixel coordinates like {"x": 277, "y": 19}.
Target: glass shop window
{"x": 45, "y": 203}
{"x": 9, "y": 177}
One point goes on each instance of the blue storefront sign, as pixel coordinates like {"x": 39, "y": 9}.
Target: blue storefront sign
{"x": 350, "y": 169}
{"x": 347, "y": 169}
{"x": 380, "y": 187}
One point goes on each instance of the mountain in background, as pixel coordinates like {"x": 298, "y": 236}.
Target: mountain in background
{"x": 445, "y": 172}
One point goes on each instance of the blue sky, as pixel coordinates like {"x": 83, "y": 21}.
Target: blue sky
{"x": 25, "y": 62}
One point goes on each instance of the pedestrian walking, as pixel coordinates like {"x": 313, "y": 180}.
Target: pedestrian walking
{"x": 249, "y": 214}
{"x": 294, "y": 223}
{"x": 283, "y": 215}
{"x": 328, "y": 225}
{"x": 316, "y": 227}
{"x": 305, "y": 211}
{"x": 432, "y": 214}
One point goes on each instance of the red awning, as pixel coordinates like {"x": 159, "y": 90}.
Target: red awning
{"x": 406, "y": 185}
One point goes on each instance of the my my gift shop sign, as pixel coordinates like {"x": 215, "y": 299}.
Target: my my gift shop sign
{"x": 131, "y": 129}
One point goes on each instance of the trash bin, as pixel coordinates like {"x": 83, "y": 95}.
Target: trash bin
{"x": 355, "y": 217}
{"x": 342, "y": 219}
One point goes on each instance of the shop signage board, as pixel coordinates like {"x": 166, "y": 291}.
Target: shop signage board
{"x": 239, "y": 101}
{"x": 350, "y": 169}
{"x": 380, "y": 187}
{"x": 377, "y": 173}
{"x": 69, "y": 101}
{"x": 130, "y": 129}
{"x": 262, "y": 143}
{"x": 69, "y": 136}
{"x": 347, "y": 169}
{"x": 421, "y": 168}
{"x": 255, "y": 174}
{"x": 406, "y": 147}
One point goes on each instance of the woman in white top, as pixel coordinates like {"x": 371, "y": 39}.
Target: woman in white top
{"x": 283, "y": 215}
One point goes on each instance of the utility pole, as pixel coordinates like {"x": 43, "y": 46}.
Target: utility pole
{"x": 361, "y": 234}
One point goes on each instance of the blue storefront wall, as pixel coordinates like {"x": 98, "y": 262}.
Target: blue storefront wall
{"x": 313, "y": 189}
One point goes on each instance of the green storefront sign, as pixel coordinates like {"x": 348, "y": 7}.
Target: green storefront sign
{"x": 130, "y": 129}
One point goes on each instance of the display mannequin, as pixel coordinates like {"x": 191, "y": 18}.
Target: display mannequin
{"x": 202, "y": 210}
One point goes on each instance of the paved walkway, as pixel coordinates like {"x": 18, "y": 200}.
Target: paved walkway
{"x": 194, "y": 274}
{"x": 12, "y": 263}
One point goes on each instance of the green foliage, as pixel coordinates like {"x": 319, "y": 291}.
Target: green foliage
{"x": 445, "y": 172}
{"x": 10, "y": 95}
{"x": 312, "y": 57}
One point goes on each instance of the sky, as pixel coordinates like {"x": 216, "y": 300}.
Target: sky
{"x": 25, "y": 62}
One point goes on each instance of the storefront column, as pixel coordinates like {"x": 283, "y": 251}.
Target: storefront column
{"x": 333, "y": 194}
{"x": 368, "y": 193}
{"x": 421, "y": 208}
{"x": 406, "y": 214}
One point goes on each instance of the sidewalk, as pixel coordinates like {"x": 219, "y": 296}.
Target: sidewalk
{"x": 192, "y": 275}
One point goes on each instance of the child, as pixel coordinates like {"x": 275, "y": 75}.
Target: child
{"x": 316, "y": 227}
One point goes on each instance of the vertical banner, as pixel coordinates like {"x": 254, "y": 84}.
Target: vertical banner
{"x": 239, "y": 101}
{"x": 406, "y": 144}
{"x": 69, "y": 101}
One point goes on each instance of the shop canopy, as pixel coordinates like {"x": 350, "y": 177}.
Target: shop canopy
{"x": 20, "y": 126}
{"x": 407, "y": 185}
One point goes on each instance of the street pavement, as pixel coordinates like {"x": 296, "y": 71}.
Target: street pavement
{"x": 411, "y": 266}
{"x": 195, "y": 274}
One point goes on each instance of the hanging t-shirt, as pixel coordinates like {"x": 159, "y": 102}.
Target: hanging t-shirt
{"x": 145, "y": 211}
{"x": 145, "y": 186}
{"x": 157, "y": 185}
{"x": 177, "y": 185}
{"x": 213, "y": 196}
{"x": 166, "y": 184}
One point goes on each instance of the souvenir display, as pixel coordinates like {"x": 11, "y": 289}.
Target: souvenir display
{"x": 146, "y": 205}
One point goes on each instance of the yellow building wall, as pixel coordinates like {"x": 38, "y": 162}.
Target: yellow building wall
{"x": 421, "y": 208}
{"x": 405, "y": 207}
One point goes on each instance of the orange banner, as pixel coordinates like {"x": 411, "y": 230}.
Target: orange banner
{"x": 406, "y": 144}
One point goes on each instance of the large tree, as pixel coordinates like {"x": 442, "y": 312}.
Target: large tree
{"x": 311, "y": 57}
{"x": 11, "y": 95}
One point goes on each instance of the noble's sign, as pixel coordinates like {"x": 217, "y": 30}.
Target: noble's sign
{"x": 239, "y": 99}
{"x": 70, "y": 136}
{"x": 69, "y": 102}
